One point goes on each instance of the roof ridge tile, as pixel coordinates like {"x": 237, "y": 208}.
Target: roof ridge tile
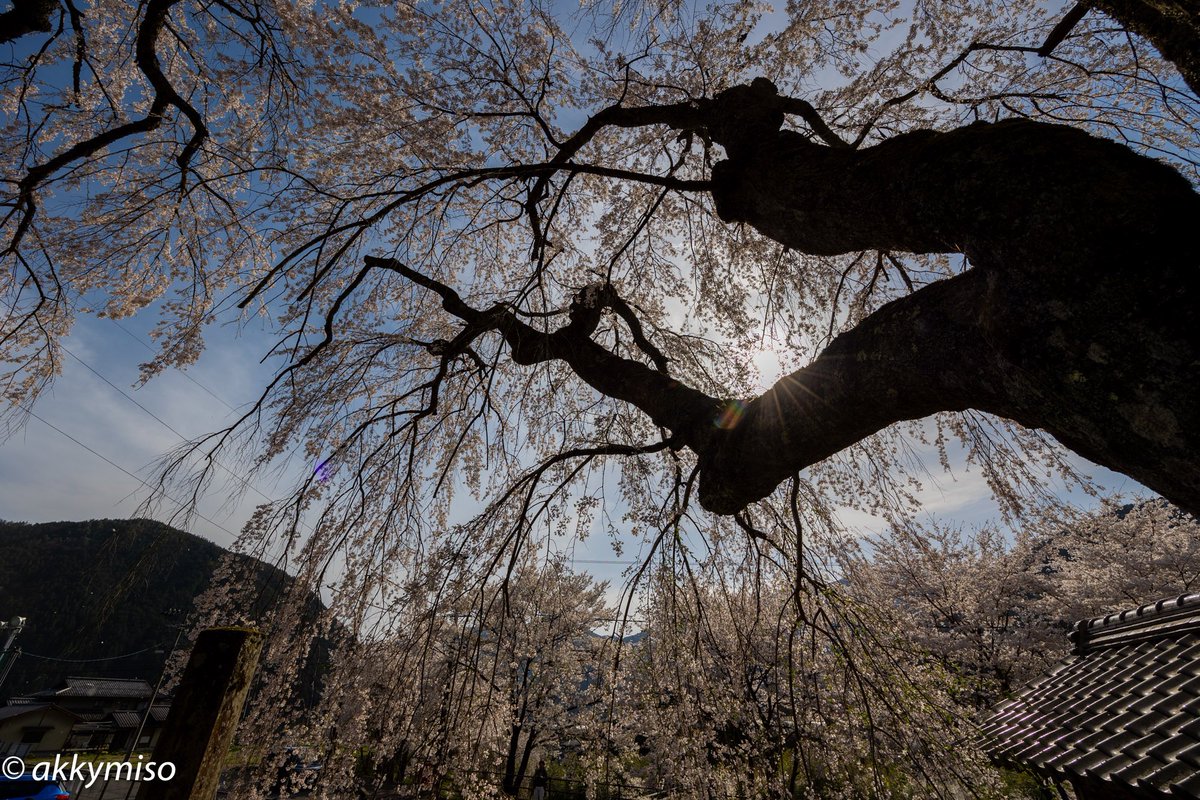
{"x": 1146, "y": 621}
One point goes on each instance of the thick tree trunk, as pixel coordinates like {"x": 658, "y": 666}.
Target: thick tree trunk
{"x": 1078, "y": 315}
{"x": 516, "y": 762}
{"x": 27, "y": 16}
{"x": 1172, "y": 26}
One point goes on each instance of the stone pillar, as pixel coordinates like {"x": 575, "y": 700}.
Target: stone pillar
{"x": 205, "y": 714}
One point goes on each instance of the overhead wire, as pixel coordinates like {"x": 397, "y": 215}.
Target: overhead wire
{"x": 89, "y": 660}
{"x": 184, "y": 373}
{"x": 244, "y": 480}
{"x": 117, "y": 466}
{"x": 239, "y": 477}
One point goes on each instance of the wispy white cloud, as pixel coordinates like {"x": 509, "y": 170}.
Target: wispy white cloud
{"x": 46, "y": 476}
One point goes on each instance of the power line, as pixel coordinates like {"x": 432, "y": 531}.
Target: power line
{"x": 140, "y": 341}
{"x": 244, "y": 480}
{"x": 88, "y": 660}
{"x": 117, "y": 466}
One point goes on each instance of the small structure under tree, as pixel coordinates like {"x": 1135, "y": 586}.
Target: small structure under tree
{"x": 1120, "y": 718}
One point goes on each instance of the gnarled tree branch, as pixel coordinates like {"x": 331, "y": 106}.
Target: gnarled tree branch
{"x": 686, "y": 411}
{"x": 1082, "y": 324}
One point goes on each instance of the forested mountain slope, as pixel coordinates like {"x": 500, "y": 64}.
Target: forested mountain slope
{"x": 102, "y": 589}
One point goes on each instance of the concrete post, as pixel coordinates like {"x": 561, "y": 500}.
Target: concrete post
{"x": 205, "y": 714}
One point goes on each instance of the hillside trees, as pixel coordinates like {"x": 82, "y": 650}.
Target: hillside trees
{"x": 997, "y": 614}
{"x": 1121, "y": 556}
{"x": 548, "y": 654}
{"x": 987, "y": 610}
{"x": 114, "y": 587}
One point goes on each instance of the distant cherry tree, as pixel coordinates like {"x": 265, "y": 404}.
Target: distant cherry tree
{"x": 997, "y": 613}
{"x": 1122, "y": 556}
{"x": 462, "y": 690}
{"x": 745, "y": 687}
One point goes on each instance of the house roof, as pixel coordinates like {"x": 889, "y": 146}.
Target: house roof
{"x": 1124, "y": 709}
{"x": 132, "y": 719}
{"x": 99, "y": 687}
{"x": 126, "y": 719}
{"x": 11, "y": 712}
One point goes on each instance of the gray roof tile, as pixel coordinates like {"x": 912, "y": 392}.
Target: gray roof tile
{"x": 1189, "y": 754}
{"x": 1189, "y": 786}
{"x": 126, "y": 719}
{"x": 99, "y": 687}
{"x": 1167, "y": 775}
{"x": 1124, "y": 708}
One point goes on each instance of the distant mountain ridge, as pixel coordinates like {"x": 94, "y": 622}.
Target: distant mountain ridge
{"x": 102, "y": 596}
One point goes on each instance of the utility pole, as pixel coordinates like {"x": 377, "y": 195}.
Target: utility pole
{"x": 179, "y": 629}
{"x": 162, "y": 674}
{"x": 8, "y": 655}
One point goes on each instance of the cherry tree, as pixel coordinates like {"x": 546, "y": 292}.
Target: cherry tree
{"x": 445, "y": 687}
{"x": 451, "y": 211}
{"x": 502, "y": 256}
{"x": 984, "y": 608}
{"x": 525, "y": 263}
{"x": 746, "y": 687}
{"x": 997, "y": 614}
{"x": 1122, "y": 556}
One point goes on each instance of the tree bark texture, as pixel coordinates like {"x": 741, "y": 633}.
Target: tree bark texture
{"x": 1172, "y": 26}
{"x": 1077, "y": 316}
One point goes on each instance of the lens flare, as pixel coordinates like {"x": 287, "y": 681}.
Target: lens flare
{"x": 730, "y": 415}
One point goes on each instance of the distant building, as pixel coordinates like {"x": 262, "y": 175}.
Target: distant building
{"x": 1119, "y": 719}
{"x": 35, "y": 729}
{"x": 108, "y": 711}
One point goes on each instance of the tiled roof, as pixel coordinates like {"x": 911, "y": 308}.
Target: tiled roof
{"x": 10, "y": 712}
{"x": 126, "y": 719}
{"x": 132, "y": 719}
{"x": 1123, "y": 710}
{"x": 99, "y": 687}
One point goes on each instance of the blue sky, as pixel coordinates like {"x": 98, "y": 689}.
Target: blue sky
{"x": 44, "y": 475}
{"x": 92, "y": 445}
